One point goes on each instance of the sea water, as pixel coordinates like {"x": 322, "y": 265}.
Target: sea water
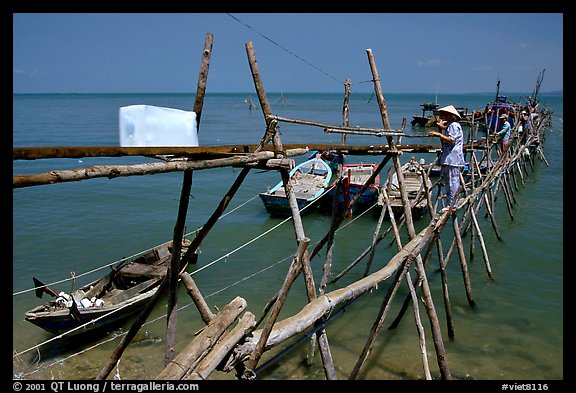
{"x": 64, "y": 234}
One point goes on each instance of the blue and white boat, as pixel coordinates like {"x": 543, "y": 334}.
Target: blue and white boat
{"x": 310, "y": 181}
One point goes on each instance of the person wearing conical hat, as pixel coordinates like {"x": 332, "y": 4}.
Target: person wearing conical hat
{"x": 451, "y": 158}
{"x": 504, "y": 136}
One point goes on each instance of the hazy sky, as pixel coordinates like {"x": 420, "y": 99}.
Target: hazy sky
{"x": 296, "y": 52}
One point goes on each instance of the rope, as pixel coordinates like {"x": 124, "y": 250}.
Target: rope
{"x": 286, "y": 50}
{"x": 16, "y": 354}
{"x": 75, "y": 276}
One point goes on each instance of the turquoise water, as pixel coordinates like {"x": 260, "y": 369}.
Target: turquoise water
{"x": 515, "y": 332}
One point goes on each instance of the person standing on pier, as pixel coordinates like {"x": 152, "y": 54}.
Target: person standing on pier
{"x": 525, "y": 127}
{"x": 504, "y": 136}
{"x": 451, "y": 158}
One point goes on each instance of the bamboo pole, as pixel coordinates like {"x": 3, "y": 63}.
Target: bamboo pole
{"x": 507, "y": 196}
{"x": 170, "y": 281}
{"x": 331, "y": 232}
{"x": 174, "y": 269}
{"x": 490, "y": 212}
{"x": 384, "y": 309}
{"x": 329, "y": 128}
{"x": 443, "y": 274}
{"x": 323, "y": 304}
{"x": 271, "y": 124}
{"x": 142, "y": 316}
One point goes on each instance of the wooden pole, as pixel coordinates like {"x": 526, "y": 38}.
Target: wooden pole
{"x": 427, "y": 300}
{"x": 121, "y": 347}
{"x": 419, "y": 327}
{"x": 345, "y": 109}
{"x": 189, "y": 357}
{"x": 370, "y": 180}
{"x": 463, "y": 264}
{"x": 224, "y": 345}
{"x": 314, "y": 310}
{"x": 476, "y": 226}
{"x": 282, "y": 295}
{"x": 114, "y": 171}
{"x": 205, "y": 312}
{"x": 273, "y": 134}
{"x": 174, "y": 269}
{"x": 377, "y": 233}
{"x": 377, "y": 326}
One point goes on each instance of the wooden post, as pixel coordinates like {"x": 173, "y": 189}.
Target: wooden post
{"x": 428, "y": 302}
{"x": 463, "y": 264}
{"x": 271, "y": 124}
{"x": 174, "y": 269}
{"x": 419, "y": 327}
{"x": 377, "y": 233}
{"x": 224, "y": 345}
{"x": 302, "y": 240}
{"x": 345, "y": 108}
{"x": 189, "y": 357}
{"x": 476, "y": 226}
{"x": 177, "y": 244}
{"x": 377, "y": 326}
{"x": 282, "y": 294}
{"x": 121, "y": 347}
{"x": 205, "y": 312}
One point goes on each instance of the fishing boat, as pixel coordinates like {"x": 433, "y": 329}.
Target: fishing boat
{"x": 414, "y": 184}
{"x": 494, "y": 110}
{"x": 427, "y": 118}
{"x": 354, "y": 176}
{"x": 107, "y": 301}
{"x": 310, "y": 180}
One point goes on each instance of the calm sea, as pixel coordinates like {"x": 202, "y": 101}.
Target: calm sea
{"x": 60, "y": 231}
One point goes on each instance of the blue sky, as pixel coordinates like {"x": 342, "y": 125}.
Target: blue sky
{"x": 296, "y": 52}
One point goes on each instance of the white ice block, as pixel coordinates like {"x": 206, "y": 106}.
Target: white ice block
{"x": 154, "y": 126}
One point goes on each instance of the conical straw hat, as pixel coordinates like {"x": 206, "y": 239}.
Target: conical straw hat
{"x": 450, "y": 109}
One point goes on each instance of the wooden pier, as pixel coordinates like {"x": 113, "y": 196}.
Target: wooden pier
{"x": 235, "y": 338}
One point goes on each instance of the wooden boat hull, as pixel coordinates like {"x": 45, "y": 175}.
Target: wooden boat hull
{"x": 423, "y": 121}
{"x": 109, "y": 300}
{"x": 358, "y": 175}
{"x": 414, "y": 187}
{"x": 91, "y": 318}
{"x": 278, "y": 205}
{"x": 310, "y": 180}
